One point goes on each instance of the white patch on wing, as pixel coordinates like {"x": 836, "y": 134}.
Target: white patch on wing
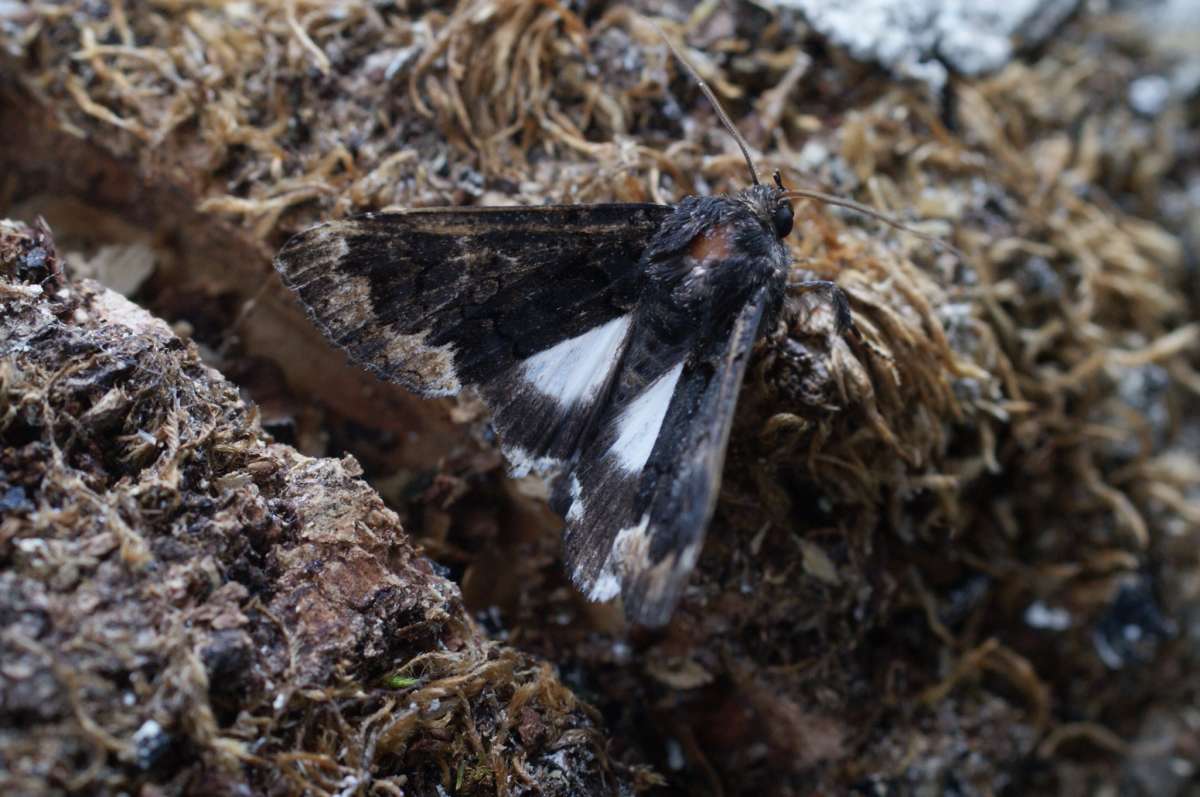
{"x": 630, "y": 542}
{"x": 639, "y": 424}
{"x": 575, "y": 369}
{"x": 575, "y": 513}
{"x": 521, "y": 464}
{"x": 606, "y": 588}
{"x": 689, "y": 556}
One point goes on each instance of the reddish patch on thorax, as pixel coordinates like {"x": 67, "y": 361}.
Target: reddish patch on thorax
{"x": 715, "y": 243}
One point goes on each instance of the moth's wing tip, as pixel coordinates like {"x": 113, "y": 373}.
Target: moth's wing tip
{"x": 650, "y": 601}
{"x": 326, "y": 267}
{"x": 649, "y": 592}
{"x": 608, "y": 588}
{"x": 323, "y": 244}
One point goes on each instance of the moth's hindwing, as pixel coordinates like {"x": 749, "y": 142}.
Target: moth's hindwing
{"x": 528, "y": 304}
{"x": 639, "y": 502}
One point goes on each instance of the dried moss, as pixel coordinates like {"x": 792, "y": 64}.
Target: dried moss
{"x": 931, "y": 545}
{"x": 186, "y": 603}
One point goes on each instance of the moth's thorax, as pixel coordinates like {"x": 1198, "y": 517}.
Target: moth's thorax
{"x": 719, "y": 231}
{"x": 709, "y": 257}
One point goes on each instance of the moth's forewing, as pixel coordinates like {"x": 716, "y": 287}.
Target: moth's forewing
{"x": 694, "y": 438}
{"x": 644, "y": 486}
{"x": 661, "y": 511}
{"x": 523, "y": 303}
{"x": 469, "y": 291}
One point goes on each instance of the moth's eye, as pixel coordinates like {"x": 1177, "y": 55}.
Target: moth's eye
{"x": 782, "y": 219}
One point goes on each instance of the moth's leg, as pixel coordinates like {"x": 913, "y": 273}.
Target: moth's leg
{"x": 841, "y": 303}
{"x": 841, "y": 312}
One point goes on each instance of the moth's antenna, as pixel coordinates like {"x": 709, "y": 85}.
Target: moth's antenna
{"x": 866, "y": 210}
{"x": 712, "y": 98}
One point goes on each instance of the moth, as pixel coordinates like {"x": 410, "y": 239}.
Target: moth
{"x": 609, "y": 342}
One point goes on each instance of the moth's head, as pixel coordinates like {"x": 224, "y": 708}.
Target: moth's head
{"x": 781, "y": 214}
{"x": 772, "y": 206}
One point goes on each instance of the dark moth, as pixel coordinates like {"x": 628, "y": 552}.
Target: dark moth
{"x": 609, "y": 342}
